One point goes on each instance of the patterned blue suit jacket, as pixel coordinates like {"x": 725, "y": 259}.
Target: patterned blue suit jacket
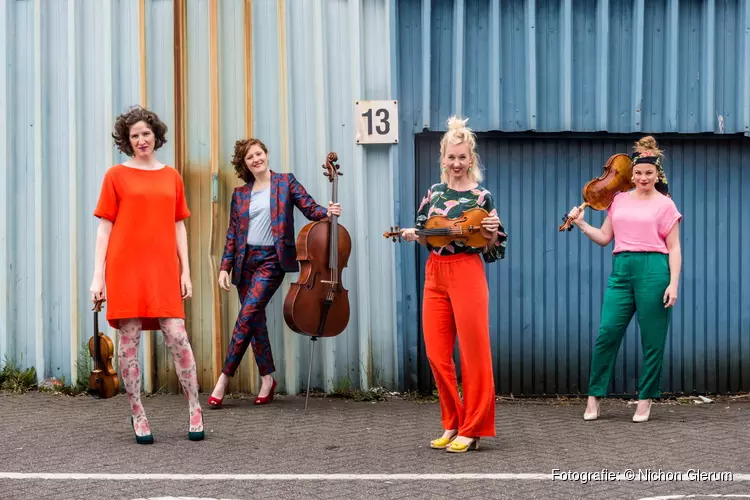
{"x": 286, "y": 193}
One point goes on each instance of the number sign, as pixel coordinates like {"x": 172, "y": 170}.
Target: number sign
{"x": 377, "y": 122}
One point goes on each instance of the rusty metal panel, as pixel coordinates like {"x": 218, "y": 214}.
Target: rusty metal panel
{"x": 274, "y": 70}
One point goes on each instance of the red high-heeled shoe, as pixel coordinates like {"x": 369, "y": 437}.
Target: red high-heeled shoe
{"x": 266, "y": 399}
{"x": 215, "y": 402}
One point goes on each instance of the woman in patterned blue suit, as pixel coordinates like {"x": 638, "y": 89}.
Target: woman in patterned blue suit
{"x": 259, "y": 250}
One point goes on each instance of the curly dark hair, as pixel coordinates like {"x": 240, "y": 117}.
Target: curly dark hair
{"x": 129, "y": 118}
{"x": 241, "y": 148}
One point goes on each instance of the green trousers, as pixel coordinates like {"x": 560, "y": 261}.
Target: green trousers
{"x": 637, "y": 283}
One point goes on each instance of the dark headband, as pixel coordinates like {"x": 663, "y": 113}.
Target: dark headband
{"x": 661, "y": 183}
{"x": 653, "y": 160}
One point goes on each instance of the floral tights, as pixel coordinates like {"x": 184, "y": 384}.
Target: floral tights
{"x": 176, "y": 339}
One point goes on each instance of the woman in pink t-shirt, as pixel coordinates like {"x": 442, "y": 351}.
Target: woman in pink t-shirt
{"x": 645, "y": 275}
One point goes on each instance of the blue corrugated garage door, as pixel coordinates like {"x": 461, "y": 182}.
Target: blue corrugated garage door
{"x": 546, "y": 295}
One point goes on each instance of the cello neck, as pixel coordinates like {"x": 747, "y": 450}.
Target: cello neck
{"x": 333, "y": 261}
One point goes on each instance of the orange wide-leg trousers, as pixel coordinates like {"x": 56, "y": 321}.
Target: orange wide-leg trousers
{"x": 456, "y": 301}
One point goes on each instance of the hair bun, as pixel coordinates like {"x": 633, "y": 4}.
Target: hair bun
{"x": 455, "y": 123}
{"x": 647, "y": 145}
{"x": 647, "y": 142}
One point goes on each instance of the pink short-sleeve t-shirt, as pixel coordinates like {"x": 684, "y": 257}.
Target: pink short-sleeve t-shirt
{"x": 642, "y": 225}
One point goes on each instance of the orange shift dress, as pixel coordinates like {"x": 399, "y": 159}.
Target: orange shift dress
{"x": 142, "y": 268}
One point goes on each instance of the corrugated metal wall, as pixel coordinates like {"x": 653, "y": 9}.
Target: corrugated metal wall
{"x": 289, "y": 72}
{"x": 286, "y": 72}
{"x": 546, "y": 296}
{"x": 559, "y": 65}
{"x": 589, "y": 65}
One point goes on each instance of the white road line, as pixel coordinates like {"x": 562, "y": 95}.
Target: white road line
{"x": 698, "y": 495}
{"x": 67, "y": 476}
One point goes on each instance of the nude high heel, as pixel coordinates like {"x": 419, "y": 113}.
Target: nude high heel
{"x": 643, "y": 418}
{"x": 592, "y": 416}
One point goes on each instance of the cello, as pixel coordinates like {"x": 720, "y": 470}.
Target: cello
{"x": 599, "y": 192}
{"x": 317, "y": 304}
{"x": 103, "y": 381}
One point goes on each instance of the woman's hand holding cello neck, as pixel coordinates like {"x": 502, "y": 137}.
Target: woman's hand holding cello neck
{"x": 334, "y": 209}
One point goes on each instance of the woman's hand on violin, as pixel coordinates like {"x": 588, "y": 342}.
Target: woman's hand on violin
{"x": 97, "y": 289}
{"x": 224, "y": 280}
{"x": 491, "y": 223}
{"x": 334, "y": 209}
{"x": 409, "y": 234}
{"x": 576, "y": 213}
{"x": 186, "y": 286}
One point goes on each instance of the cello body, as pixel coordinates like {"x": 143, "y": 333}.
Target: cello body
{"x": 598, "y": 193}
{"x": 103, "y": 380}
{"x": 317, "y": 304}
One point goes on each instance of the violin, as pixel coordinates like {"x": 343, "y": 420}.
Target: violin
{"x": 599, "y": 192}
{"x": 440, "y": 230}
{"x": 317, "y": 304}
{"x": 103, "y": 380}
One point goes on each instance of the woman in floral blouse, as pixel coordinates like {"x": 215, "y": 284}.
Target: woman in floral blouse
{"x": 456, "y": 295}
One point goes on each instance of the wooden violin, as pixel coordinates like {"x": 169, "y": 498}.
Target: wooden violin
{"x": 598, "y": 193}
{"x": 103, "y": 381}
{"x": 440, "y": 230}
{"x": 317, "y": 304}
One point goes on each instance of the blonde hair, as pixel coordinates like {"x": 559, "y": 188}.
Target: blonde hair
{"x": 647, "y": 145}
{"x": 458, "y": 133}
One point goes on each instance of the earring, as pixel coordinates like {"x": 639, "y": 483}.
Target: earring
{"x": 469, "y": 169}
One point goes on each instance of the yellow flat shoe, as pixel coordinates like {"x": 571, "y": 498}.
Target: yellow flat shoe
{"x": 442, "y": 443}
{"x": 462, "y": 448}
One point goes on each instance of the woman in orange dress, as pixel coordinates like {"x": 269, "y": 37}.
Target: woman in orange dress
{"x": 142, "y": 257}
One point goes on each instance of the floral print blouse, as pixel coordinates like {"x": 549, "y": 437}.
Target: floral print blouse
{"x": 442, "y": 200}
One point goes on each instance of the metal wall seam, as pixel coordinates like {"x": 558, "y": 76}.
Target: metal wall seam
{"x": 495, "y": 53}
{"x": 291, "y": 340}
{"x": 746, "y": 83}
{"x": 566, "y": 58}
{"x": 531, "y": 82}
{"x": 409, "y": 57}
{"x": 5, "y": 119}
{"x": 671, "y": 77}
{"x": 38, "y": 198}
{"x": 708, "y": 77}
{"x": 72, "y": 65}
{"x": 321, "y": 140}
{"x": 459, "y": 55}
{"x": 213, "y": 71}
{"x": 359, "y": 173}
{"x": 248, "y": 67}
{"x": 602, "y": 67}
{"x": 142, "y": 52}
{"x": 109, "y": 152}
{"x": 426, "y": 61}
{"x": 395, "y": 292}
{"x": 147, "y": 336}
{"x": 179, "y": 13}
{"x": 636, "y": 121}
